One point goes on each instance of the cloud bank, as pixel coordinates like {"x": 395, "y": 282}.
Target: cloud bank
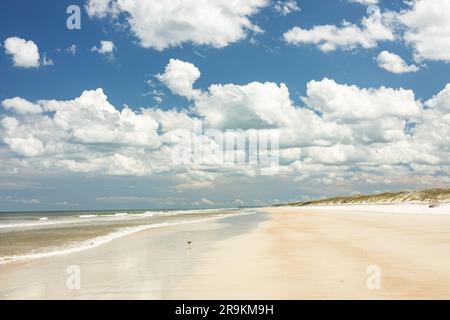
{"x": 340, "y": 134}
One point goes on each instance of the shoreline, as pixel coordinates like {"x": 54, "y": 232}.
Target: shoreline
{"x": 276, "y": 253}
{"x": 142, "y": 265}
{"x": 102, "y": 239}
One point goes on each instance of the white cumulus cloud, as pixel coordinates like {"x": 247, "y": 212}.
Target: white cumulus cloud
{"x": 394, "y": 63}
{"x": 21, "y": 105}
{"x": 286, "y": 7}
{"x": 179, "y": 76}
{"x": 24, "y": 53}
{"x": 372, "y": 115}
{"x": 365, "y": 2}
{"x": 375, "y": 28}
{"x": 164, "y": 24}
{"x": 427, "y": 25}
{"x": 99, "y": 8}
{"x": 105, "y": 48}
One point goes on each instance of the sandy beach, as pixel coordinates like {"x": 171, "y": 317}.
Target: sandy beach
{"x": 276, "y": 253}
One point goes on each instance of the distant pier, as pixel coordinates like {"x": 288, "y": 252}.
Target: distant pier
{"x": 249, "y": 207}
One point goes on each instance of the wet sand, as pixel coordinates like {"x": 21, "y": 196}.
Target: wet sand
{"x": 284, "y": 253}
{"x": 145, "y": 265}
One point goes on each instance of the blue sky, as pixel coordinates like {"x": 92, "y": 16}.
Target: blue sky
{"x": 123, "y": 80}
{"x": 262, "y": 57}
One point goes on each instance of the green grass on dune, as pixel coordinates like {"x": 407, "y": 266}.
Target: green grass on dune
{"x": 430, "y": 195}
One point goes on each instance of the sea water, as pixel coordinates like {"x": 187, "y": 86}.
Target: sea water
{"x": 30, "y": 235}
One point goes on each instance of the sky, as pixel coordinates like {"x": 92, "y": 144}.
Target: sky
{"x": 93, "y": 106}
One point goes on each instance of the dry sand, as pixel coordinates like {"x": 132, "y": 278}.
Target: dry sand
{"x": 324, "y": 254}
{"x": 287, "y": 253}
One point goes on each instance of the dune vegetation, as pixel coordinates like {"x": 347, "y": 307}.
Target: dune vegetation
{"x": 432, "y": 196}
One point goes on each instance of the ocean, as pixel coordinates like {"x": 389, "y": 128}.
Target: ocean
{"x": 30, "y": 235}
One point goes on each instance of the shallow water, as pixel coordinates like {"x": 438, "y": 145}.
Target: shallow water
{"x": 27, "y": 235}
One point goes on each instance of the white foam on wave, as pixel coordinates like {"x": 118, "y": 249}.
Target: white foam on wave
{"x": 45, "y": 222}
{"x": 118, "y": 215}
{"x": 85, "y": 218}
{"x": 181, "y": 212}
{"x": 101, "y": 240}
